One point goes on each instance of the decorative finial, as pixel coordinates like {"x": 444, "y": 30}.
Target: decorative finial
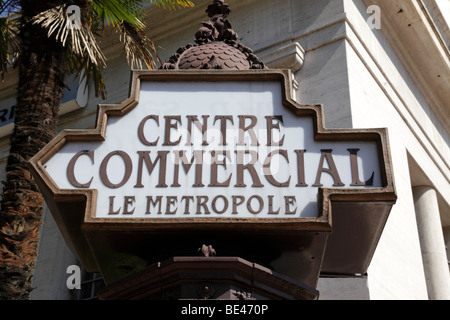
{"x": 218, "y": 7}
{"x": 216, "y": 46}
{"x": 216, "y": 28}
{"x": 207, "y": 251}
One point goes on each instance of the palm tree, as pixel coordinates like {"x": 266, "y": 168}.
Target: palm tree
{"x": 54, "y": 38}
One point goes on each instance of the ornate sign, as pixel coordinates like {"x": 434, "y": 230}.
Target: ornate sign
{"x": 211, "y": 149}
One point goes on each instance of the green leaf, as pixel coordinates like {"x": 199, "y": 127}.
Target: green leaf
{"x": 113, "y": 12}
{"x": 173, "y": 4}
{"x": 9, "y": 45}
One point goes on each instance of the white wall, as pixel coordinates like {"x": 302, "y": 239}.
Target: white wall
{"x": 380, "y": 94}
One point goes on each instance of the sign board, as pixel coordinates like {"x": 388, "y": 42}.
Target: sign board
{"x": 233, "y": 151}
{"x": 213, "y": 149}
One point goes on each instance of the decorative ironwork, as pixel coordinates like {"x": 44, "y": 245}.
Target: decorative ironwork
{"x": 206, "y": 291}
{"x": 216, "y": 46}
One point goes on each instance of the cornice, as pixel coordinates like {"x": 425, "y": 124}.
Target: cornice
{"x": 407, "y": 26}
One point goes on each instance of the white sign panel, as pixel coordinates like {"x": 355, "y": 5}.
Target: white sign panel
{"x": 212, "y": 149}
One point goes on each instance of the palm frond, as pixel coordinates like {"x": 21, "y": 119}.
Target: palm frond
{"x": 139, "y": 48}
{"x": 84, "y": 54}
{"x": 93, "y": 72}
{"x": 82, "y": 66}
{"x": 9, "y": 44}
{"x": 76, "y": 35}
{"x": 113, "y": 12}
{"x": 173, "y": 4}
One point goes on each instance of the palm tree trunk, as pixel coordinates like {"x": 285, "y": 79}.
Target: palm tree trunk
{"x": 41, "y": 83}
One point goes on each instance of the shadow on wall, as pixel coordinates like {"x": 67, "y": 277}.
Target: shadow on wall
{"x": 343, "y": 289}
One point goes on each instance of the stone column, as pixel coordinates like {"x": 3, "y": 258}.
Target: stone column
{"x": 447, "y": 244}
{"x": 432, "y": 243}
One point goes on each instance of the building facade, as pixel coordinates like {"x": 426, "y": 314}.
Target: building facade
{"x": 371, "y": 64}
